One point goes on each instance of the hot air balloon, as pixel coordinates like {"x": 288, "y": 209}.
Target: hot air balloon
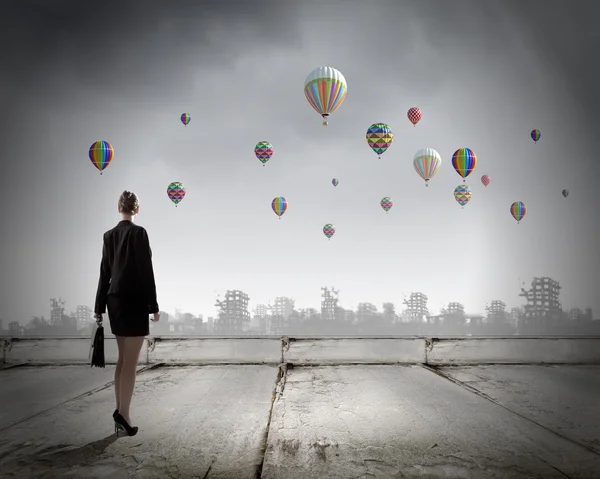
{"x": 565, "y": 193}
{"x": 414, "y": 115}
{"x": 427, "y": 163}
{"x": 536, "y": 135}
{"x": 386, "y": 203}
{"x": 379, "y": 138}
{"x": 486, "y": 180}
{"x": 185, "y": 118}
{"x": 518, "y": 210}
{"x": 328, "y": 230}
{"x": 464, "y": 161}
{"x": 101, "y": 154}
{"x": 325, "y": 89}
{"x": 279, "y": 206}
{"x": 176, "y": 192}
{"x": 335, "y": 182}
{"x": 263, "y": 151}
{"x": 462, "y": 195}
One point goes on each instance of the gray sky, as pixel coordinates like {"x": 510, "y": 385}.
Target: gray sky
{"x": 483, "y": 73}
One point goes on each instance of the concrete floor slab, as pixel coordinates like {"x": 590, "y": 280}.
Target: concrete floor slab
{"x": 565, "y": 399}
{"x": 351, "y": 422}
{"x": 193, "y": 421}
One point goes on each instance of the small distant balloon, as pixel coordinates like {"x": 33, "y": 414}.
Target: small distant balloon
{"x": 379, "y": 137}
{"x": 518, "y": 210}
{"x": 464, "y": 161}
{"x": 386, "y": 203}
{"x": 263, "y": 151}
{"x": 185, "y": 119}
{"x": 101, "y": 154}
{"x": 427, "y": 162}
{"x": 462, "y": 195}
{"x": 536, "y": 135}
{"x": 176, "y": 192}
{"x": 279, "y": 206}
{"x": 335, "y": 182}
{"x": 486, "y": 180}
{"x": 328, "y": 230}
{"x": 414, "y": 115}
{"x": 565, "y": 193}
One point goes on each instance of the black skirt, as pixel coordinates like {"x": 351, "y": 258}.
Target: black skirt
{"x": 128, "y": 316}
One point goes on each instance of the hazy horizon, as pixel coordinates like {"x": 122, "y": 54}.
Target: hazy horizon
{"x": 483, "y": 73}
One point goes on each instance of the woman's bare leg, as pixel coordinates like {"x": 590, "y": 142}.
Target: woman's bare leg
{"x": 118, "y": 370}
{"x": 131, "y": 354}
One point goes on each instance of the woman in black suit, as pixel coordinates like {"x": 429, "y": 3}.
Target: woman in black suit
{"x": 127, "y": 289}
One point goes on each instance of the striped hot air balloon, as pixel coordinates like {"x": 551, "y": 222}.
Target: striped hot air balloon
{"x": 565, "y": 193}
{"x": 101, "y": 154}
{"x": 464, "y": 161}
{"x": 185, "y": 119}
{"x": 536, "y": 135}
{"x": 518, "y": 210}
{"x": 325, "y": 89}
{"x": 335, "y": 182}
{"x": 279, "y": 205}
{"x": 427, "y": 162}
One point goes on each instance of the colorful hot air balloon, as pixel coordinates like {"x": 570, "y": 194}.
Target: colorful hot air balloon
{"x": 379, "y": 138}
{"x": 325, "y": 89}
{"x": 518, "y": 210}
{"x": 565, "y": 193}
{"x": 279, "y": 205}
{"x": 328, "y": 230}
{"x": 101, "y": 154}
{"x": 414, "y": 115}
{"x": 427, "y": 163}
{"x": 464, "y": 161}
{"x": 185, "y": 118}
{"x": 176, "y": 192}
{"x": 462, "y": 195}
{"x": 335, "y": 182}
{"x": 263, "y": 151}
{"x": 486, "y": 180}
{"x": 386, "y": 203}
{"x": 536, "y": 135}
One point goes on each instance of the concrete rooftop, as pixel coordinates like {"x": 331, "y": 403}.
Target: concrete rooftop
{"x": 328, "y": 408}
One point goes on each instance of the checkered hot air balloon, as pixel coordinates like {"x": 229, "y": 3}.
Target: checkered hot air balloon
{"x": 518, "y": 210}
{"x": 279, "y": 205}
{"x": 101, "y": 154}
{"x": 176, "y": 192}
{"x": 325, "y": 89}
{"x": 185, "y": 119}
{"x": 464, "y": 161}
{"x": 414, "y": 115}
{"x": 379, "y": 137}
{"x": 462, "y": 195}
{"x": 328, "y": 230}
{"x": 264, "y": 151}
{"x": 386, "y": 203}
{"x": 486, "y": 180}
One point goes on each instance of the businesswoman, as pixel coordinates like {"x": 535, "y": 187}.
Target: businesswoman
{"x": 127, "y": 290}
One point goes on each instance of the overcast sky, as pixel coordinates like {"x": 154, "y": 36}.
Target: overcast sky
{"x": 484, "y": 74}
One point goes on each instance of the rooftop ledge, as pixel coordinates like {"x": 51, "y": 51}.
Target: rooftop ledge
{"x": 305, "y": 350}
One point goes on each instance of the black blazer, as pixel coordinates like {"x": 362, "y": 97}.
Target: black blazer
{"x": 126, "y": 267}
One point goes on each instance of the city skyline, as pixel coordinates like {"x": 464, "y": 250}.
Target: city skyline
{"x": 484, "y": 76}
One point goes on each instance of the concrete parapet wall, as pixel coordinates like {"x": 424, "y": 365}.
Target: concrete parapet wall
{"x": 523, "y": 350}
{"x": 355, "y": 351}
{"x": 306, "y": 351}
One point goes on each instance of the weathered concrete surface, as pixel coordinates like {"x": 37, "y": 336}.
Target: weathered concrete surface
{"x": 355, "y": 351}
{"x": 191, "y": 420}
{"x": 405, "y": 422}
{"x": 215, "y": 350}
{"x": 59, "y": 351}
{"x": 565, "y": 399}
{"x": 514, "y": 351}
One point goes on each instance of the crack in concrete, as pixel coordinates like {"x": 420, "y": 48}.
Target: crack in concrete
{"x": 481, "y": 394}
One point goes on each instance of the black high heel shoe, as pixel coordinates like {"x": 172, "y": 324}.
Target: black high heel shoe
{"x": 121, "y": 423}
{"x": 118, "y": 427}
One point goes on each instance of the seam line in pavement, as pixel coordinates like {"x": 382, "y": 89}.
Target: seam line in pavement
{"x": 434, "y": 370}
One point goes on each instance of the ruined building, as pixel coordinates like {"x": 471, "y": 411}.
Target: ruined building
{"x": 329, "y": 303}
{"x": 234, "y": 316}
{"x": 416, "y": 307}
{"x": 281, "y": 311}
{"x": 260, "y": 323}
{"x": 543, "y": 309}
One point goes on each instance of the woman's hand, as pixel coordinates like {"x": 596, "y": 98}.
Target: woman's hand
{"x": 155, "y": 317}
{"x": 98, "y": 318}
